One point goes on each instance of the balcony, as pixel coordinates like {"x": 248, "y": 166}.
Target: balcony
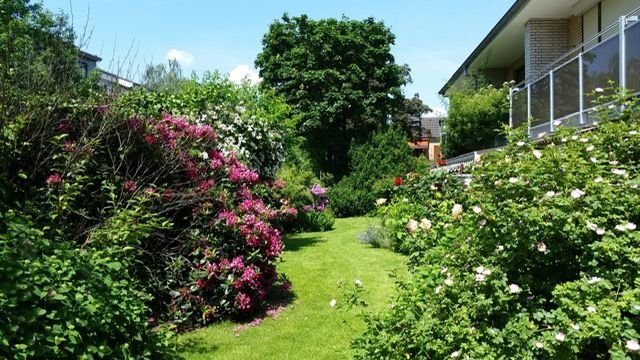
{"x": 562, "y": 95}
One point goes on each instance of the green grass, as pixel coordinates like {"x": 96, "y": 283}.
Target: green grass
{"x": 309, "y": 328}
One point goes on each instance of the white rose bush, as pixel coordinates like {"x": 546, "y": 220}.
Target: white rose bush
{"x": 546, "y": 266}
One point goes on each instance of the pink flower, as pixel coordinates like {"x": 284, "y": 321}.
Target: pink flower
{"x": 69, "y": 145}
{"x": 279, "y": 184}
{"x": 206, "y": 184}
{"x": 150, "y": 139}
{"x": 228, "y": 216}
{"x": 130, "y": 186}
{"x": 243, "y": 301}
{"x": 134, "y": 124}
{"x": 292, "y": 211}
{"x": 54, "y": 179}
{"x": 237, "y": 263}
{"x": 102, "y": 109}
{"x": 200, "y": 131}
{"x": 241, "y": 173}
{"x": 250, "y": 277}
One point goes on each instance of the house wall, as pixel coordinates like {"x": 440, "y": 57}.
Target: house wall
{"x": 575, "y": 31}
{"x": 609, "y": 13}
{"x": 545, "y": 40}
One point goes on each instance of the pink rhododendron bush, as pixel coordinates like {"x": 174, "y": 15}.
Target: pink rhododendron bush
{"x": 215, "y": 254}
{"x": 540, "y": 258}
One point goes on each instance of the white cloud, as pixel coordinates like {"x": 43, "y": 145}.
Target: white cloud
{"x": 183, "y": 57}
{"x": 242, "y": 72}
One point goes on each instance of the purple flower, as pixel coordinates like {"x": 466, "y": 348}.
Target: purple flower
{"x": 317, "y": 190}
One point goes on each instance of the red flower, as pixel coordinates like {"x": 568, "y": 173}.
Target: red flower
{"x": 130, "y": 186}
{"x": 442, "y": 162}
{"x": 399, "y": 181}
{"x": 54, "y": 179}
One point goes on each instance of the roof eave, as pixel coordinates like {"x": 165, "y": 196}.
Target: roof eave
{"x": 504, "y": 21}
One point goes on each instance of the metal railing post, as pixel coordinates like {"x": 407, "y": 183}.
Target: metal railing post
{"x": 581, "y": 88}
{"x": 551, "y": 102}
{"x": 623, "y": 54}
{"x": 511, "y": 107}
{"x": 529, "y": 110}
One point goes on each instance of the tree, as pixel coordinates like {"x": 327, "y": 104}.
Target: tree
{"x": 408, "y": 119}
{"x": 475, "y": 119}
{"x": 37, "y": 54}
{"x": 165, "y": 78}
{"x": 339, "y": 77}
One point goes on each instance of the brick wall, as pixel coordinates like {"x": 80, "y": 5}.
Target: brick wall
{"x": 575, "y": 31}
{"x": 545, "y": 40}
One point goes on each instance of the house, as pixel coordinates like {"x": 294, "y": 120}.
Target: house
{"x": 557, "y": 52}
{"x": 111, "y": 82}
{"x": 428, "y": 142}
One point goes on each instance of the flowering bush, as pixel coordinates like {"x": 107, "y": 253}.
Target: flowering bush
{"x": 539, "y": 261}
{"x": 250, "y": 122}
{"x": 229, "y": 240}
{"x": 217, "y": 259}
{"x": 419, "y": 201}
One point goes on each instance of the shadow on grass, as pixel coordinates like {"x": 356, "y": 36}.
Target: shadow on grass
{"x": 195, "y": 346}
{"x": 297, "y": 242}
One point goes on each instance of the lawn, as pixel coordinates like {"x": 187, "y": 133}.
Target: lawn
{"x": 309, "y": 328}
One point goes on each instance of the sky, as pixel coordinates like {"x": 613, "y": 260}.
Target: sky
{"x": 433, "y": 37}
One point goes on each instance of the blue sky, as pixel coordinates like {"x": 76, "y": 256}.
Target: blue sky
{"x": 432, "y": 36}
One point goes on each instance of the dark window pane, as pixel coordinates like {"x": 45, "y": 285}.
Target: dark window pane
{"x": 566, "y": 90}
{"x": 633, "y": 57}
{"x": 539, "y": 130}
{"x": 520, "y": 114}
{"x": 601, "y": 65}
{"x": 540, "y": 101}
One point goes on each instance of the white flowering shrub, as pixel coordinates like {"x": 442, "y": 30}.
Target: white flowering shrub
{"x": 253, "y": 138}
{"x": 541, "y": 262}
{"x": 252, "y": 122}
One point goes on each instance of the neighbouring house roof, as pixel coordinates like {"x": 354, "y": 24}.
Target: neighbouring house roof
{"x": 504, "y": 45}
{"x": 89, "y": 57}
{"x": 430, "y": 126}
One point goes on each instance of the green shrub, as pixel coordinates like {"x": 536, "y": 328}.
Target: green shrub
{"x": 475, "y": 119}
{"x": 541, "y": 261}
{"x": 59, "y": 301}
{"x": 375, "y": 165}
{"x": 421, "y": 198}
{"x": 315, "y": 221}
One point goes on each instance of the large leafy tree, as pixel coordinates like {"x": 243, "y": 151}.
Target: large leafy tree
{"x": 340, "y": 78}
{"x": 408, "y": 119}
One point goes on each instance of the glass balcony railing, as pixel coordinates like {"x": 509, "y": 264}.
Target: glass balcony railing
{"x": 563, "y": 95}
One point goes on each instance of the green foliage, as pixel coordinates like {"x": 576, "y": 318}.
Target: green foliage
{"x": 163, "y": 77}
{"x": 58, "y": 301}
{"x": 249, "y": 121}
{"x": 375, "y": 164}
{"x": 475, "y": 119}
{"x": 338, "y": 76}
{"x": 313, "y": 221}
{"x": 37, "y": 55}
{"x": 540, "y": 260}
{"x": 408, "y": 119}
{"x": 423, "y": 198}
